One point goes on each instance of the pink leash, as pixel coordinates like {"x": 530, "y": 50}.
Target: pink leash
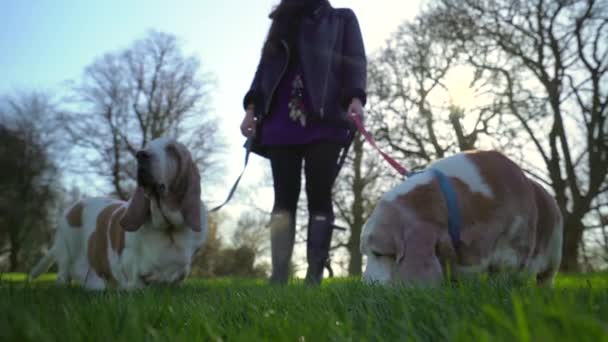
{"x": 357, "y": 120}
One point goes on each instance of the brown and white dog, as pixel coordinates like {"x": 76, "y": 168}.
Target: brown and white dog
{"x": 508, "y": 222}
{"x": 103, "y": 242}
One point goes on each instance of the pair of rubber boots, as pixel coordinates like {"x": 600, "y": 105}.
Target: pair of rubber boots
{"x": 282, "y": 235}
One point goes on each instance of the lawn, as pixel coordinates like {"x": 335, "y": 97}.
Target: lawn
{"x": 504, "y": 309}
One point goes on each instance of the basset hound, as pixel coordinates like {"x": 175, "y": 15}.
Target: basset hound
{"x": 151, "y": 239}
{"x": 508, "y": 222}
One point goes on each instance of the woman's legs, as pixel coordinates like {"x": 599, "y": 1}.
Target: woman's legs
{"x": 286, "y": 164}
{"x": 320, "y": 167}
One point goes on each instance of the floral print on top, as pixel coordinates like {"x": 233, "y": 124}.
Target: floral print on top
{"x": 297, "y": 110}
{"x": 288, "y": 121}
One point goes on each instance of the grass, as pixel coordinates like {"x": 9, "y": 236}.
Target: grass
{"x": 505, "y": 309}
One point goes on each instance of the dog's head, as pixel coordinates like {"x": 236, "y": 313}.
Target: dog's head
{"x": 167, "y": 173}
{"x": 399, "y": 244}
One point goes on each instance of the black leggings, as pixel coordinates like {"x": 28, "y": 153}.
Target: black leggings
{"x": 320, "y": 166}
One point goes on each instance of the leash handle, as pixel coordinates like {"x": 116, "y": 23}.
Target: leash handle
{"x": 361, "y": 128}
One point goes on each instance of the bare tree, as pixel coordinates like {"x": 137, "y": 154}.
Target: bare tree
{"x": 127, "y": 98}
{"x": 421, "y": 122}
{"x": 548, "y": 62}
{"x": 28, "y": 177}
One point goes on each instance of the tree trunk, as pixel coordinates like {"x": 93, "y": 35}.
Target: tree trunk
{"x": 330, "y": 270}
{"x": 355, "y": 264}
{"x": 573, "y": 235}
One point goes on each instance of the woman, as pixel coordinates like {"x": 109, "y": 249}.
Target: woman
{"x": 312, "y": 72}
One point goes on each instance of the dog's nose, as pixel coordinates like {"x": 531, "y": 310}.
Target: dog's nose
{"x": 142, "y": 155}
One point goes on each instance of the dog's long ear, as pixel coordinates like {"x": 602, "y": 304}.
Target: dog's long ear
{"x": 138, "y": 211}
{"x": 416, "y": 259}
{"x": 185, "y": 189}
{"x": 191, "y": 203}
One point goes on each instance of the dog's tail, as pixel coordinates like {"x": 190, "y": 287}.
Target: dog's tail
{"x": 43, "y": 265}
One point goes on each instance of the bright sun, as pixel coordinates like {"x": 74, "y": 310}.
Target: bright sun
{"x": 461, "y": 95}
{"x": 457, "y": 82}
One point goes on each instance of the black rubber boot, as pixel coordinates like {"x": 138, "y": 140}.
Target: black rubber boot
{"x": 282, "y": 235}
{"x": 320, "y": 227}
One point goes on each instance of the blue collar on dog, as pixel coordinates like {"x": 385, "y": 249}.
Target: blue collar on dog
{"x": 451, "y": 200}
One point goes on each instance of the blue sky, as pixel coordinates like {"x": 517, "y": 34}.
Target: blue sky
{"x": 44, "y": 43}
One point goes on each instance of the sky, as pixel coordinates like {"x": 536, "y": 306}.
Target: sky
{"x": 45, "y": 43}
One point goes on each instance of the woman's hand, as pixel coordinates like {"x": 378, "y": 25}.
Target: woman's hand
{"x": 356, "y": 107}
{"x": 249, "y": 123}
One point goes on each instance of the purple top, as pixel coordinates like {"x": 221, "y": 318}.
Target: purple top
{"x": 287, "y": 123}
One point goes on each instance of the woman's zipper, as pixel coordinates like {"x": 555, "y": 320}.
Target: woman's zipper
{"x": 276, "y": 84}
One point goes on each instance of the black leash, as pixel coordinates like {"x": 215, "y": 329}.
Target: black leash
{"x": 248, "y": 144}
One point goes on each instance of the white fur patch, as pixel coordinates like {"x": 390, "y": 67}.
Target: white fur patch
{"x": 408, "y": 185}
{"x": 504, "y": 254}
{"x": 158, "y": 145}
{"x": 161, "y": 215}
{"x": 379, "y": 269}
{"x": 457, "y": 166}
{"x": 157, "y": 148}
{"x": 460, "y": 166}
{"x": 368, "y": 229}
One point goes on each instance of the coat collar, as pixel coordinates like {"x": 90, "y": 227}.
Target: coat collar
{"x": 323, "y": 8}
